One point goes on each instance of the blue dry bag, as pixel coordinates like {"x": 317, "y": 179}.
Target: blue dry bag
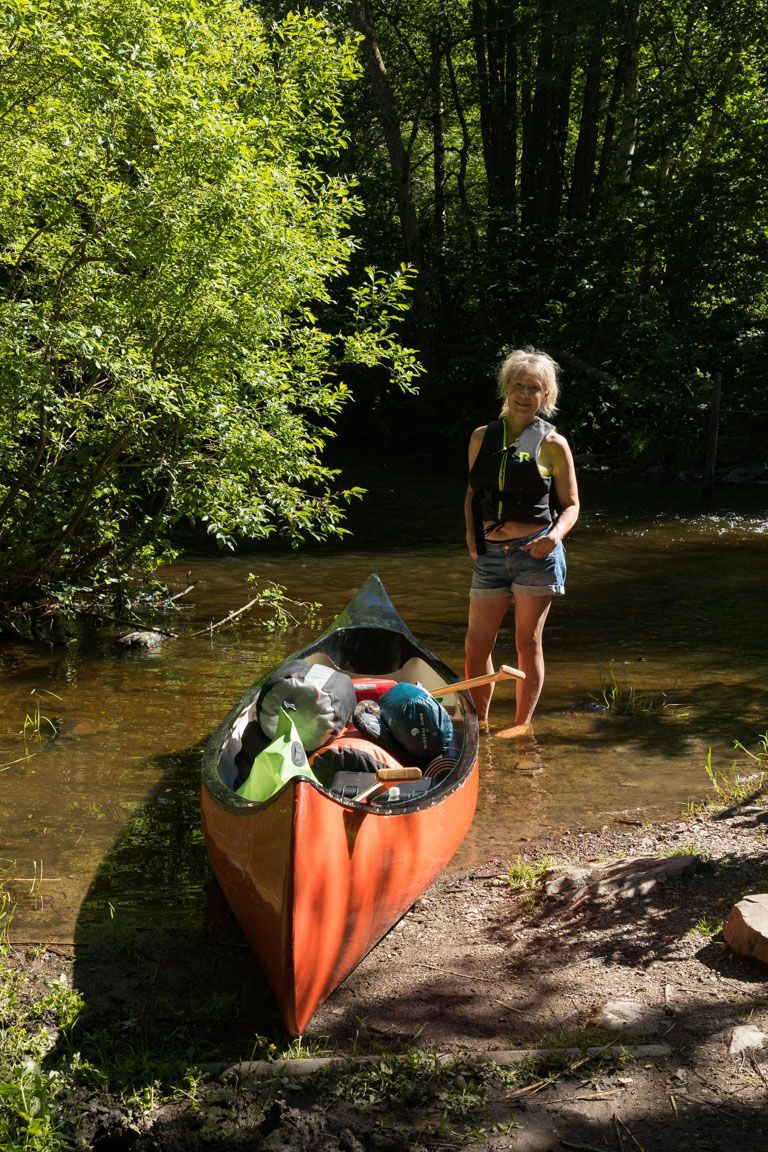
{"x": 417, "y": 721}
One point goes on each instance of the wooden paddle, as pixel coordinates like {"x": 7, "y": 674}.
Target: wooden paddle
{"x": 504, "y": 673}
{"x": 385, "y": 778}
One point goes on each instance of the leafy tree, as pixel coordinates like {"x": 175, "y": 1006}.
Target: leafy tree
{"x": 170, "y": 229}
{"x": 588, "y": 177}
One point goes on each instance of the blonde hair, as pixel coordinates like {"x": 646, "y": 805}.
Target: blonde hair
{"x": 539, "y": 362}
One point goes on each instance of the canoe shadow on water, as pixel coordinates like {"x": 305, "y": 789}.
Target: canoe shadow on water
{"x": 160, "y": 961}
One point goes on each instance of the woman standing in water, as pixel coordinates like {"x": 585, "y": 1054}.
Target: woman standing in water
{"x": 520, "y": 471}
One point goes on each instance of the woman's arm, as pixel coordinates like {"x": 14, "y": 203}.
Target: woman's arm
{"x": 557, "y": 456}
{"x": 475, "y": 441}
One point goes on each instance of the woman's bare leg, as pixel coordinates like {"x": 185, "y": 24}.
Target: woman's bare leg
{"x": 530, "y": 616}
{"x": 485, "y": 619}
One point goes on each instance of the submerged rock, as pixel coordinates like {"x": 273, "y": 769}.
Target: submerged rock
{"x": 141, "y": 640}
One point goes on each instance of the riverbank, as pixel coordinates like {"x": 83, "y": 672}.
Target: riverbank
{"x": 622, "y": 977}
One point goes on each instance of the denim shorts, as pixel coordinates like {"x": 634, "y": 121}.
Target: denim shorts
{"x": 507, "y": 570}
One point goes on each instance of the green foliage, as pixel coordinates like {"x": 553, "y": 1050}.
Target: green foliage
{"x": 37, "y": 725}
{"x": 6, "y": 916}
{"x": 414, "y": 1079}
{"x": 31, "y": 1105}
{"x": 280, "y": 617}
{"x": 708, "y": 927}
{"x": 733, "y": 786}
{"x": 630, "y": 700}
{"x": 169, "y": 225}
{"x": 626, "y": 235}
{"x": 527, "y": 877}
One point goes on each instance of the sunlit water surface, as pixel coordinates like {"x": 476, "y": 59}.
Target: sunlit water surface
{"x": 665, "y": 607}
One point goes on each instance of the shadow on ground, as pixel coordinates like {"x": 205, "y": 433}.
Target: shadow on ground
{"x": 160, "y": 961}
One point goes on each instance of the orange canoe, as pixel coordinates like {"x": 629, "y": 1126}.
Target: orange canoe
{"x": 316, "y": 880}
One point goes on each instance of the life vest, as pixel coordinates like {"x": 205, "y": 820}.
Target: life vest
{"x": 506, "y": 480}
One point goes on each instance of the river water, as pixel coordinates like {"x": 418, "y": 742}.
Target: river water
{"x": 664, "y": 614}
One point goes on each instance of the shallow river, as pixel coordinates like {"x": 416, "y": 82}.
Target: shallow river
{"x": 665, "y": 610}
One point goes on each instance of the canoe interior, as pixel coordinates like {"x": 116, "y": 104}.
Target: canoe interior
{"x": 237, "y": 750}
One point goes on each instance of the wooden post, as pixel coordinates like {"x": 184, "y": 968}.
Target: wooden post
{"x": 713, "y": 422}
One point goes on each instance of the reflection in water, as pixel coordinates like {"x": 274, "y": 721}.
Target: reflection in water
{"x": 663, "y": 608}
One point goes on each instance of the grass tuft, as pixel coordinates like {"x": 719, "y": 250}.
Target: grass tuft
{"x": 630, "y": 701}
{"x": 526, "y": 876}
{"x": 707, "y": 927}
{"x": 733, "y": 788}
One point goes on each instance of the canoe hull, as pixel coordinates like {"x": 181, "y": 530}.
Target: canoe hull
{"x": 316, "y": 885}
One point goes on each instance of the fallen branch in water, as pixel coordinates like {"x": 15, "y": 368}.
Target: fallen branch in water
{"x": 272, "y": 599}
{"x": 227, "y": 619}
{"x": 135, "y": 622}
{"x": 178, "y": 596}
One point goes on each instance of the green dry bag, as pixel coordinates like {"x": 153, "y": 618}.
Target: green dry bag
{"x": 278, "y": 762}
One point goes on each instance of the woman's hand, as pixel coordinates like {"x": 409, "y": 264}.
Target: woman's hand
{"x": 541, "y": 547}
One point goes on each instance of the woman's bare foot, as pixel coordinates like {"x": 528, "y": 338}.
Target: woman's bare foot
{"x": 516, "y": 732}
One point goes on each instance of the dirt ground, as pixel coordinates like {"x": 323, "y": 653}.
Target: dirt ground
{"x": 476, "y": 969}
{"x": 472, "y": 966}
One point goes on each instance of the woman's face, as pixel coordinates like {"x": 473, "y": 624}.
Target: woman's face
{"x": 526, "y": 393}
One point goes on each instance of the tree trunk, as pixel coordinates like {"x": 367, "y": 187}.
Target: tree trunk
{"x": 718, "y": 103}
{"x": 400, "y": 166}
{"x": 464, "y": 151}
{"x": 440, "y": 215}
{"x": 628, "y": 75}
{"x": 585, "y": 156}
{"x": 496, "y": 62}
{"x": 607, "y": 149}
{"x": 713, "y": 421}
{"x": 546, "y": 131}
{"x": 666, "y": 164}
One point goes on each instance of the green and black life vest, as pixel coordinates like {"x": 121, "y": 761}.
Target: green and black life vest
{"x": 506, "y": 480}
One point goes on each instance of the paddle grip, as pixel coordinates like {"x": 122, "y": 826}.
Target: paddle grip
{"x": 398, "y": 774}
